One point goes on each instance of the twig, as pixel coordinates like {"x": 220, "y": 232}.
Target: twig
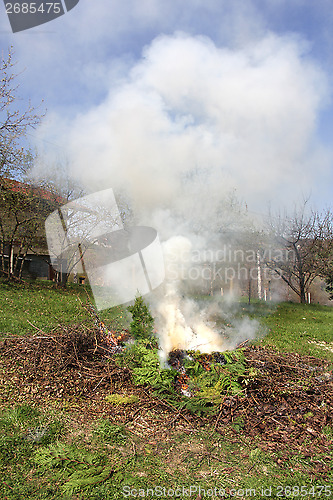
{"x": 77, "y": 359}
{"x": 254, "y": 399}
{"x": 272, "y": 418}
{"x": 98, "y": 384}
{"x": 250, "y": 468}
{"x": 168, "y": 405}
{"x": 242, "y": 344}
{"x": 255, "y": 360}
{"x": 7, "y": 485}
{"x": 36, "y": 327}
{"x": 101, "y": 347}
{"x": 132, "y": 417}
{"x": 96, "y": 343}
{"x": 174, "y": 420}
{"x": 219, "y": 415}
{"x": 34, "y": 337}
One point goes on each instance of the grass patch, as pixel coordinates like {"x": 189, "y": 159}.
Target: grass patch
{"x": 46, "y": 306}
{"x": 302, "y": 328}
{"x": 109, "y": 464}
{"x": 108, "y": 432}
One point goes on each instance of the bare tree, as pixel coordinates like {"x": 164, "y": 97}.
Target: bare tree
{"x": 72, "y": 227}
{"x": 14, "y": 123}
{"x": 20, "y": 208}
{"x": 303, "y": 248}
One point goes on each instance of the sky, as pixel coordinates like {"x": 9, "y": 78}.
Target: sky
{"x": 233, "y": 95}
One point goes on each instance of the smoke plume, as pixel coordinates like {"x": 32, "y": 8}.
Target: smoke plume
{"x": 193, "y": 135}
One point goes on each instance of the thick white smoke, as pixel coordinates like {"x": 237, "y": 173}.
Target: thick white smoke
{"x": 243, "y": 119}
{"x": 191, "y": 124}
{"x": 182, "y": 322}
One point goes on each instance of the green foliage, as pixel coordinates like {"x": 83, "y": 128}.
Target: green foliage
{"x": 141, "y": 326}
{"x": 328, "y": 430}
{"x": 14, "y": 448}
{"x": 120, "y": 399}
{"x": 238, "y": 424}
{"x": 110, "y": 433}
{"x": 144, "y": 362}
{"x": 78, "y": 467}
{"x": 22, "y": 428}
{"x": 208, "y": 388}
{"x": 19, "y": 414}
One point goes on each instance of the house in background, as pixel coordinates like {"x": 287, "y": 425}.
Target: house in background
{"x": 34, "y": 266}
{"x": 21, "y": 243}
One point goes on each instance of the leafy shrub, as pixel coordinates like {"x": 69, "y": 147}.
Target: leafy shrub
{"x": 141, "y": 326}
{"x": 208, "y": 388}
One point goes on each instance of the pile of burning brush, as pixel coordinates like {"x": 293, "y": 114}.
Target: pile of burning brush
{"x": 110, "y": 340}
{"x": 176, "y": 360}
{"x": 113, "y": 342}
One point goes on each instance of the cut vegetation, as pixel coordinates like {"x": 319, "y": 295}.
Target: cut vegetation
{"x": 78, "y": 423}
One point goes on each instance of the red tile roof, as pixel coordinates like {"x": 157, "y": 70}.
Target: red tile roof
{"x": 17, "y": 186}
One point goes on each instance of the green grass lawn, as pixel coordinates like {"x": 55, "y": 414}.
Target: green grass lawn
{"x": 26, "y": 307}
{"x": 302, "y": 328}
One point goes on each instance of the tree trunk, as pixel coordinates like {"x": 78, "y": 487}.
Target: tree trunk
{"x": 16, "y": 271}
{"x": 10, "y": 261}
{"x": 64, "y": 279}
{"x": 302, "y": 291}
{"x": 2, "y": 250}
{"x": 20, "y": 271}
{"x": 259, "y": 275}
